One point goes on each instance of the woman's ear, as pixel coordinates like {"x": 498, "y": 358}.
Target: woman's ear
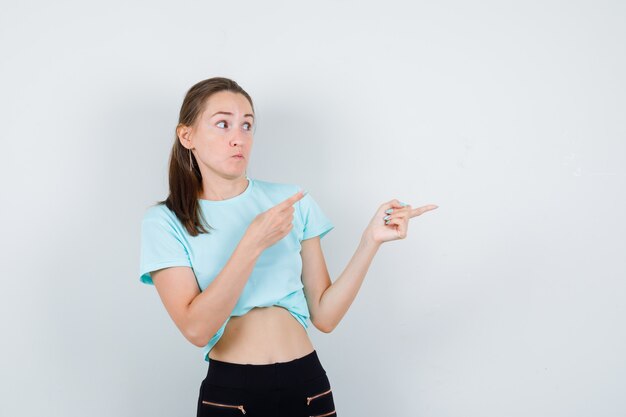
{"x": 184, "y": 135}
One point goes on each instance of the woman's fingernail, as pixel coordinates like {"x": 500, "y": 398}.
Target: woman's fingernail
{"x": 389, "y": 211}
{"x": 386, "y": 217}
{"x": 403, "y": 204}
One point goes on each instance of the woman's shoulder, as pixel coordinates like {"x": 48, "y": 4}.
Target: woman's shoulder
{"x": 275, "y": 187}
{"x": 158, "y": 212}
{"x": 159, "y": 217}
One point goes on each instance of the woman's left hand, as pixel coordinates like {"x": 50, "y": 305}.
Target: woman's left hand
{"x": 397, "y": 224}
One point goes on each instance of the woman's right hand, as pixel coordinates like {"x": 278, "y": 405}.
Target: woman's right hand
{"x": 273, "y": 224}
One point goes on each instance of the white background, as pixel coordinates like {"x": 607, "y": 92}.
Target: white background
{"x": 507, "y": 300}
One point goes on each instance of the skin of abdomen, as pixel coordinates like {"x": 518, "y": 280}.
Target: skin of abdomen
{"x": 261, "y": 336}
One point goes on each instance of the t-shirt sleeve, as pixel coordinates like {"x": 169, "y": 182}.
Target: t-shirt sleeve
{"x": 316, "y": 223}
{"x": 161, "y": 247}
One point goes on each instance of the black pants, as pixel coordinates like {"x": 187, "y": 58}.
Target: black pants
{"x": 298, "y": 388}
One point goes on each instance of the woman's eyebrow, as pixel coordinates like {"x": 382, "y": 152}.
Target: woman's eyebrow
{"x": 230, "y": 114}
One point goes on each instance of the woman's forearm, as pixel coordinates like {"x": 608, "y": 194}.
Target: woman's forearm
{"x": 210, "y": 309}
{"x": 337, "y": 298}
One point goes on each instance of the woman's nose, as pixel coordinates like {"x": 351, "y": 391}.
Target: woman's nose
{"x": 238, "y": 138}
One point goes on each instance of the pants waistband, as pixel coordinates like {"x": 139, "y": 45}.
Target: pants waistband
{"x": 271, "y": 375}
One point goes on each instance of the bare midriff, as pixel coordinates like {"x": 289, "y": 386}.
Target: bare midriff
{"x": 263, "y": 335}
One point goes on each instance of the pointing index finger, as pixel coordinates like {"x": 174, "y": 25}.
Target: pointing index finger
{"x": 291, "y": 200}
{"x": 421, "y": 210}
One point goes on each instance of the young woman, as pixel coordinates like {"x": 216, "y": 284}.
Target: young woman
{"x": 238, "y": 264}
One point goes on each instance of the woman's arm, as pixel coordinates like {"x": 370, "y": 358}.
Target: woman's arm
{"x": 327, "y": 302}
{"x": 198, "y": 315}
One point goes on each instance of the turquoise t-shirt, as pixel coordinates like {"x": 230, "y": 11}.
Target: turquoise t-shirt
{"x": 276, "y": 277}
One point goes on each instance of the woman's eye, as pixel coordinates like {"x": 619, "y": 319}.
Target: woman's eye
{"x": 246, "y": 123}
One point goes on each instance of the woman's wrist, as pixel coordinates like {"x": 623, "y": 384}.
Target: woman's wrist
{"x": 368, "y": 239}
{"x": 250, "y": 246}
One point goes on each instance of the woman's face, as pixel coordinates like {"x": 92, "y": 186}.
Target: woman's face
{"x": 222, "y": 131}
